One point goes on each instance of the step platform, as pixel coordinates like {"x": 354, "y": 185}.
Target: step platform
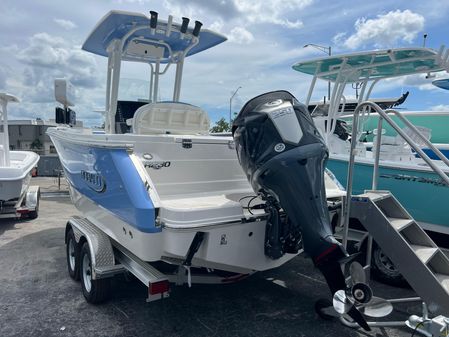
{"x": 415, "y": 255}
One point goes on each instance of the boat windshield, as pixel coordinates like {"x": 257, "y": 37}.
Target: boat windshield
{"x": 133, "y": 89}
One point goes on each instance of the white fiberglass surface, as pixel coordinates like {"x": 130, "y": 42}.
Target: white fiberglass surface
{"x": 200, "y": 210}
{"x": 206, "y": 165}
{"x": 203, "y": 176}
{"x": 21, "y": 162}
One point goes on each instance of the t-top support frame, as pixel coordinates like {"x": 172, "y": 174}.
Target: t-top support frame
{"x": 118, "y": 51}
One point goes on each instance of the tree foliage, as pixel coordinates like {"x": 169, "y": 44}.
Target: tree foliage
{"x": 221, "y": 126}
{"x": 36, "y": 144}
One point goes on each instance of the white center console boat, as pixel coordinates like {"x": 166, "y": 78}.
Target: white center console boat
{"x": 16, "y": 196}
{"x": 155, "y": 182}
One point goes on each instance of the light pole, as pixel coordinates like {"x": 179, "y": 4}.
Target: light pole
{"x": 230, "y": 106}
{"x": 328, "y": 51}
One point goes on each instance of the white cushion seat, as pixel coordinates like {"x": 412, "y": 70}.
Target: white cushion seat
{"x": 170, "y": 118}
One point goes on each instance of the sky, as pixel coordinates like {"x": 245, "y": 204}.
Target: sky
{"x": 41, "y": 41}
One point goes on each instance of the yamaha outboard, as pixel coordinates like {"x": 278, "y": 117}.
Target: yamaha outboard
{"x": 283, "y": 156}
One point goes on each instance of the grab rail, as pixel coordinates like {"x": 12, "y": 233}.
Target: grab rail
{"x": 384, "y": 115}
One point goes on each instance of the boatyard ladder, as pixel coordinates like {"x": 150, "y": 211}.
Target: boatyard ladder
{"x": 412, "y": 251}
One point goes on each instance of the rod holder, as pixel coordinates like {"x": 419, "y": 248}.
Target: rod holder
{"x": 184, "y": 25}
{"x": 197, "y": 28}
{"x": 153, "y": 19}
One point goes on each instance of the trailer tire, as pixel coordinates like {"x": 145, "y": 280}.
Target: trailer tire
{"x": 95, "y": 291}
{"x": 72, "y": 254}
{"x": 384, "y": 270}
{"x": 34, "y": 214}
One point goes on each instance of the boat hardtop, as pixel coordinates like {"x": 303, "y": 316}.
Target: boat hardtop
{"x": 134, "y": 30}
{"x": 377, "y": 64}
{"x": 126, "y": 36}
{"x": 367, "y": 69}
{"x": 8, "y": 97}
{"x": 443, "y": 83}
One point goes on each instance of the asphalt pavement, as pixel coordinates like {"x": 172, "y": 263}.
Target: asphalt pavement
{"x": 37, "y": 297}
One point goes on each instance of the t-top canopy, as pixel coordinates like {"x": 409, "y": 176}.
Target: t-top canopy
{"x": 118, "y": 24}
{"x": 8, "y": 97}
{"x": 374, "y": 64}
{"x": 443, "y": 84}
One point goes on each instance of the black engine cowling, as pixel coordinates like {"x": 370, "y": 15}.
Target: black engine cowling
{"x": 283, "y": 156}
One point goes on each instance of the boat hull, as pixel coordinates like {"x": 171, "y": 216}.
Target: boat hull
{"x": 15, "y": 179}
{"x": 11, "y": 191}
{"x": 116, "y": 189}
{"x": 421, "y": 192}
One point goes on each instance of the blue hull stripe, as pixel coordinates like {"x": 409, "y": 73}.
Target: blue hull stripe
{"x": 109, "y": 178}
{"x": 432, "y": 155}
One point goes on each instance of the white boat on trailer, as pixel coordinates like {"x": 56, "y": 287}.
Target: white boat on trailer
{"x": 155, "y": 184}
{"x": 17, "y": 197}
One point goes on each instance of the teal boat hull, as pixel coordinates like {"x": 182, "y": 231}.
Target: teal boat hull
{"x": 423, "y": 194}
{"x": 433, "y": 120}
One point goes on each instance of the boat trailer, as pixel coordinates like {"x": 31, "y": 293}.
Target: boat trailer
{"x": 27, "y": 205}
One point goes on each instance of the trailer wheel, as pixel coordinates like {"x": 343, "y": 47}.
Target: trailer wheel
{"x": 384, "y": 270}
{"x": 72, "y": 253}
{"x": 34, "y": 214}
{"x": 95, "y": 291}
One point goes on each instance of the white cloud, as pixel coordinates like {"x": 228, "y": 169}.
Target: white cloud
{"x": 216, "y": 26}
{"x": 274, "y": 11}
{"x": 339, "y": 38}
{"x": 44, "y": 58}
{"x": 420, "y": 81}
{"x": 275, "y": 30}
{"x": 244, "y": 11}
{"x": 59, "y": 57}
{"x": 66, "y": 24}
{"x": 44, "y": 50}
{"x": 440, "y": 107}
{"x": 3, "y": 77}
{"x": 386, "y": 29}
{"x": 240, "y": 35}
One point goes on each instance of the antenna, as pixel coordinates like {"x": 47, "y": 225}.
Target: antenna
{"x": 357, "y": 86}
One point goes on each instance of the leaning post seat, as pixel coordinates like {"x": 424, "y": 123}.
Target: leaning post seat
{"x": 170, "y": 118}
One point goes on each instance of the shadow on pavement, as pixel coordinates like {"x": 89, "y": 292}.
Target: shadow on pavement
{"x": 38, "y": 298}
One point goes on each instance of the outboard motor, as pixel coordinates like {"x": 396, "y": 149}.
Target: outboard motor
{"x": 283, "y": 156}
